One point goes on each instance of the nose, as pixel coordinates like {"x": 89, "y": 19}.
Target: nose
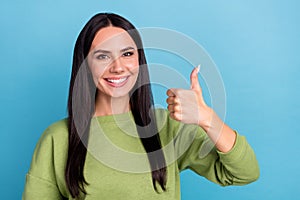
{"x": 116, "y": 66}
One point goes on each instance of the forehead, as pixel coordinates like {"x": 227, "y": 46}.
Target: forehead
{"x": 112, "y": 37}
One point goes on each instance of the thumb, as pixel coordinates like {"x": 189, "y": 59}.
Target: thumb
{"x": 194, "y": 79}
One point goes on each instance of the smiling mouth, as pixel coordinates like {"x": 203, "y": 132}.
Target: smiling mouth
{"x": 117, "y": 82}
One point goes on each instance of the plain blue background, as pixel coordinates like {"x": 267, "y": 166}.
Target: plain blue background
{"x": 255, "y": 45}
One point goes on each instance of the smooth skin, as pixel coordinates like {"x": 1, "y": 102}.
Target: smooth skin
{"x": 113, "y": 61}
{"x": 188, "y": 106}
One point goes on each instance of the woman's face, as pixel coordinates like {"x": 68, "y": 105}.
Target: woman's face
{"x": 113, "y": 60}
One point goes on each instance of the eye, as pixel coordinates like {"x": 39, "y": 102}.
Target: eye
{"x": 102, "y": 57}
{"x": 128, "y": 53}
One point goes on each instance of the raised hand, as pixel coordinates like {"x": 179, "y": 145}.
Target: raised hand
{"x": 188, "y": 106}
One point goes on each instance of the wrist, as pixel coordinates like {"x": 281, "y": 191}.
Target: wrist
{"x": 221, "y": 134}
{"x": 207, "y": 122}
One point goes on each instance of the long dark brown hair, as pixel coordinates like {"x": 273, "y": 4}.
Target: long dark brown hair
{"x": 82, "y": 89}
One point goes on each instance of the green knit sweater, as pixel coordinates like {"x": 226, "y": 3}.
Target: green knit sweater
{"x": 116, "y": 166}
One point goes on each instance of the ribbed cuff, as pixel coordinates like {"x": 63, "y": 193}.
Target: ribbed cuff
{"x": 237, "y": 151}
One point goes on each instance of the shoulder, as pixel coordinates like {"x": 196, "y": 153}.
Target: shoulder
{"x": 54, "y": 135}
{"x": 51, "y": 147}
{"x": 162, "y": 117}
{"x": 48, "y": 160}
{"x": 161, "y": 114}
{"x": 58, "y": 129}
{"x": 172, "y": 129}
{"x": 164, "y": 121}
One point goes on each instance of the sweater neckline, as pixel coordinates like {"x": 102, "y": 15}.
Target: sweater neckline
{"x": 127, "y": 116}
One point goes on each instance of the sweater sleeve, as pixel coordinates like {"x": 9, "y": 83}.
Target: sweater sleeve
{"x": 236, "y": 167}
{"x": 37, "y": 188}
{"x": 43, "y": 180}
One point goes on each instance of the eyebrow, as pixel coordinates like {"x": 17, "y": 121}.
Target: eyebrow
{"x": 127, "y": 48}
{"x": 106, "y": 51}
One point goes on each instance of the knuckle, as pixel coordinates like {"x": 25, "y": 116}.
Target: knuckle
{"x": 172, "y": 115}
{"x": 177, "y": 100}
{"x": 178, "y": 107}
{"x": 171, "y": 92}
{"x": 169, "y": 107}
{"x": 168, "y": 100}
{"x": 168, "y": 92}
{"x": 177, "y": 116}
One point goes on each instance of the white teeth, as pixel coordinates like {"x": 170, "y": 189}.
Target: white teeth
{"x": 117, "y": 80}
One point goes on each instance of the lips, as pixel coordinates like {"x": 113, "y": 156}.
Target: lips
{"x": 116, "y": 81}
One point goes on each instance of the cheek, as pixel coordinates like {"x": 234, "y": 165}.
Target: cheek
{"x": 132, "y": 64}
{"x": 97, "y": 72}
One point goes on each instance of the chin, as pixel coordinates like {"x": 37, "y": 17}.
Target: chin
{"x": 119, "y": 95}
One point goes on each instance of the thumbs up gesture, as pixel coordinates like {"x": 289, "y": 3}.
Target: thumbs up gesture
{"x": 188, "y": 106}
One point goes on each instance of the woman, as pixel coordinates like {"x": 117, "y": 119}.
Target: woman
{"x": 110, "y": 96}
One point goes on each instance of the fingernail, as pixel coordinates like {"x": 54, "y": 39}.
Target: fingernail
{"x": 198, "y": 68}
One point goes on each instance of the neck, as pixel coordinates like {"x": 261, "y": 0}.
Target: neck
{"x": 106, "y": 105}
